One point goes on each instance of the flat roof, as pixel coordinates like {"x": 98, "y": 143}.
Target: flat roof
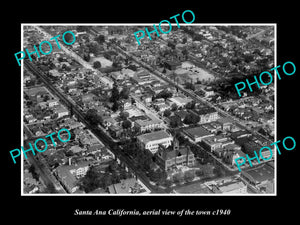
{"x": 157, "y": 135}
{"x": 197, "y": 131}
{"x": 260, "y": 173}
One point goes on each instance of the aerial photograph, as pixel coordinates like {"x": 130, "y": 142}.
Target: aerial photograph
{"x": 152, "y": 115}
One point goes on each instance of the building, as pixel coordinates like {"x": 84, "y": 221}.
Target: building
{"x": 260, "y": 179}
{"x": 229, "y": 187}
{"x": 53, "y": 102}
{"x": 61, "y": 111}
{"x": 151, "y": 141}
{"x": 106, "y": 81}
{"x": 179, "y": 101}
{"x": 69, "y": 174}
{"x": 168, "y": 158}
{"x": 197, "y": 134}
{"x": 214, "y": 142}
{"x": 149, "y": 123}
{"x": 128, "y": 186}
{"x": 172, "y": 65}
{"x": 226, "y": 123}
{"x": 206, "y": 114}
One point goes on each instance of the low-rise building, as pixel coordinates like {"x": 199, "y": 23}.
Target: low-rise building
{"x": 197, "y": 134}
{"x": 149, "y": 124}
{"x": 69, "y": 174}
{"x": 151, "y": 141}
{"x": 260, "y": 179}
{"x": 206, "y": 114}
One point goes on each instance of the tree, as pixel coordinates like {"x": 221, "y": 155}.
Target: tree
{"x": 115, "y": 95}
{"x": 100, "y": 39}
{"x": 86, "y": 57}
{"x": 191, "y": 118}
{"x": 69, "y": 37}
{"x": 35, "y": 175}
{"x": 189, "y": 176}
{"x": 190, "y": 86}
{"x": 178, "y": 178}
{"x": 125, "y": 93}
{"x": 126, "y": 124}
{"x": 164, "y": 94}
{"x": 93, "y": 117}
{"x": 190, "y": 105}
{"x": 167, "y": 113}
{"x": 97, "y": 64}
{"x": 124, "y": 115}
{"x": 174, "y": 107}
{"x": 115, "y": 106}
{"x": 175, "y": 121}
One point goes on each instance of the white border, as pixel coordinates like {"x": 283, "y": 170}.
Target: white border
{"x": 151, "y": 24}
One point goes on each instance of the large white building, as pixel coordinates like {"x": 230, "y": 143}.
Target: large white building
{"x": 151, "y": 141}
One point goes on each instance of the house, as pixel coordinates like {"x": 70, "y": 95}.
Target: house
{"x": 108, "y": 121}
{"x": 115, "y": 130}
{"x": 125, "y": 103}
{"x": 175, "y": 155}
{"x": 61, "y": 111}
{"x": 151, "y": 141}
{"x": 197, "y": 134}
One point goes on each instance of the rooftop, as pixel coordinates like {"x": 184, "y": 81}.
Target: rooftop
{"x": 197, "y": 131}
{"x": 260, "y": 173}
{"x": 157, "y": 135}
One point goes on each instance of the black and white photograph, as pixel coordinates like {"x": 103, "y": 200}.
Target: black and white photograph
{"x": 162, "y": 116}
{"x": 142, "y": 113}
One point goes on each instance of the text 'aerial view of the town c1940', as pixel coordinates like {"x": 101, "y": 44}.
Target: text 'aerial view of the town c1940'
{"x": 158, "y": 118}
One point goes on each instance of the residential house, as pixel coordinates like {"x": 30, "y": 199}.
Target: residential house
{"x": 61, "y": 111}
